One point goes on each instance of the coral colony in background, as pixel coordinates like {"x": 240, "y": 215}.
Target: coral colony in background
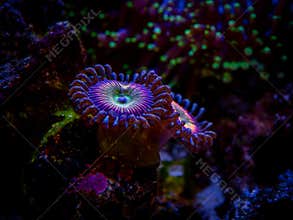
{"x": 86, "y": 142}
{"x": 197, "y": 38}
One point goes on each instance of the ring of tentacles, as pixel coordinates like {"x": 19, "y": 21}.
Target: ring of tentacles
{"x": 111, "y": 99}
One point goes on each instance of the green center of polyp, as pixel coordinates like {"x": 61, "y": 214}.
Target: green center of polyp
{"x": 122, "y": 96}
{"x": 122, "y": 99}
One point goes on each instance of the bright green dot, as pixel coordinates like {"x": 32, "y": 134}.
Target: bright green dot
{"x": 179, "y": 60}
{"x": 225, "y": 65}
{"x": 209, "y": 2}
{"x": 156, "y": 5}
{"x": 236, "y": 4}
{"x": 194, "y": 48}
{"x": 215, "y": 66}
{"x": 204, "y": 46}
{"x": 180, "y": 43}
{"x": 191, "y": 53}
{"x": 227, "y": 6}
{"x": 83, "y": 28}
{"x": 276, "y": 17}
{"x": 217, "y": 58}
{"x": 231, "y": 22}
{"x": 173, "y": 62}
{"x": 157, "y": 30}
{"x": 248, "y": 51}
{"x": 178, "y": 37}
{"x": 179, "y": 18}
{"x": 154, "y": 36}
{"x": 218, "y": 34}
{"x": 150, "y": 24}
{"x": 163, "y": 58}
{"x": 141, "y": 45}
{"x": 253, "y": 16}
{"x": 250, "y": 8}
{"x": 112, "y": 44}
{"x": 254, "y": 32}
{"x": 241, "y": 29}
{"x": 196, "y": 26}
{"x": 101, "y": 15}
{"x": 151, "y": 46}
{"x": 267, "y": 50}
{"x": 187, "y": 31}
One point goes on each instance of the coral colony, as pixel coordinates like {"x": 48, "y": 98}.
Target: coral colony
{"x": 195, "y": 37}
{"x": 131, "y": 144}
{"x": 140, "y": 104}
